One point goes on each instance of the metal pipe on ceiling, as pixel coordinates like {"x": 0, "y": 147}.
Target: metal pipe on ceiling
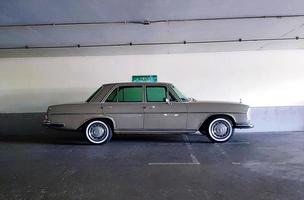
{"x": 148, "y": 22}
{"x": 155, "y": 43}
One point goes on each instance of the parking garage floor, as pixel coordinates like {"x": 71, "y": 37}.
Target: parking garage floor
{"x": 59, "y": 165}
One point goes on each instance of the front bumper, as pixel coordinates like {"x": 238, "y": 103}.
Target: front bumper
{"x": 242, "y": 126}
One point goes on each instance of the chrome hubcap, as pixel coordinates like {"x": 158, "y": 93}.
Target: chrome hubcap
{"x": 220, "y": 129}
{"x": 97, "y": 131}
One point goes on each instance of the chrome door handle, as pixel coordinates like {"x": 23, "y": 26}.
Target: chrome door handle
{"x": 149, "y": 107}
{"x": 109, "y": 107}
{"x": 172, "y": 115}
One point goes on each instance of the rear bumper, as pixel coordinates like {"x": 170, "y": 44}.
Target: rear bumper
{"x": 241, "y": 126}
{"x": 52, "y": 125}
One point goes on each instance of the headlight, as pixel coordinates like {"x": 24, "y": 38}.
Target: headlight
{"x": 249, "y": 114}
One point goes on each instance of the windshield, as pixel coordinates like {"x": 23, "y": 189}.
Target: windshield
{"x": 179, "y": 94}
{"x": 93, "y": 95}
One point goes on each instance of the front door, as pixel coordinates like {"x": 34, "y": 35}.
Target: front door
{"x": 125, "y": 106}
{"x": 161, "y": 115}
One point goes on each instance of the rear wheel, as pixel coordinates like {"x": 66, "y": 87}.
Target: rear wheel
{"x": 98, "y": 132}
{"x": 220, "y": 130}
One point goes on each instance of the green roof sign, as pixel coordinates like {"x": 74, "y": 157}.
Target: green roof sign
{"x": 144, "y": 78}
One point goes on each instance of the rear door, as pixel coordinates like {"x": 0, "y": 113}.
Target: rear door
{"x": 125, "y": 106}
{"x": 161, "y": 115}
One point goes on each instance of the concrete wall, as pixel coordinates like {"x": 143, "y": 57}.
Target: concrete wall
{"x": 260, "y": 78}
{"x": 277, "y": 119}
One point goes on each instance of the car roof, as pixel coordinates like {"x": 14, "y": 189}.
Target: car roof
{"x": 136, "y": 83}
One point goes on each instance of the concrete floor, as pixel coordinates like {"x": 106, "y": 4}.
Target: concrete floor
{"x": 59, "y": 165}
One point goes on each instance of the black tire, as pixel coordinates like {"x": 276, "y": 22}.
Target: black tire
{"x": 219, "y": 129}
{"x": 98, "y": 132}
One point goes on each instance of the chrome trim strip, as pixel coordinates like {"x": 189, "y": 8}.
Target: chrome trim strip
{"x": 73, "y": 113}
{"x": 155, "y": 130}
{"x": 223, "y": 113}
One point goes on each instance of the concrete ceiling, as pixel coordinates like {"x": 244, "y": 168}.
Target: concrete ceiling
{"x": 16, "y": 12}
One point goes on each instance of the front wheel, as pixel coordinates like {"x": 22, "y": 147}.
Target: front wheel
{"x": 98, "y": 132}
{"x": 220, "y": 130}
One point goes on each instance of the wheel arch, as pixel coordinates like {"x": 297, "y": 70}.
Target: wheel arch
{"x": 108, "y": 120}
{"x": 211, "y": 117}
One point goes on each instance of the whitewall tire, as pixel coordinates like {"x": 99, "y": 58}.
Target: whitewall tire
{"x": 98, "y": 132}
{"x": 220, "y": 130}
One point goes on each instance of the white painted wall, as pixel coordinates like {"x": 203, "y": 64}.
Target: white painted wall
{"x": 260, "y": 78}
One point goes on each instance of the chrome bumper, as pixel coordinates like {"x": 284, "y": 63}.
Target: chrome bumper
{"x": 46, "y": 122}
{"x": 249, "y": 125}
{"x": 54, "y": 125}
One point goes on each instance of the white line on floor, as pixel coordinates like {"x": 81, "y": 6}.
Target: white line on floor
{"x": 171, "y": 163}
{"x": 221, "y": 150}
{"x": 267, "y": 148}
{"x": 206, "y": 195}
{"x": 193, "y": 158}
{"x": 189, "y": 147}
{"x": 237, "y": 143}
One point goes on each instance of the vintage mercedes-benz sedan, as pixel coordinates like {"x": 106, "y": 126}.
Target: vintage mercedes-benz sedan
{"x": 147, "y": 108}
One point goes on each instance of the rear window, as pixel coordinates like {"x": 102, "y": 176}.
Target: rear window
{"x": 94, "y": 94}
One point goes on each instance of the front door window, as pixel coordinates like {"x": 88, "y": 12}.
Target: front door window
{"x": 156, "y": 94}
{"x": 163, "y": 116}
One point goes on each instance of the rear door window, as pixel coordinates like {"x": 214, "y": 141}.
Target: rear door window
{"x": 113, "y": 96}
{"x": 126, "y": 94}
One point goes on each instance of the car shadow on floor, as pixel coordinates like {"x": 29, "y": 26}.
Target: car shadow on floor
{"x": 77, "y": 138}
{"x": 158, "y": 138}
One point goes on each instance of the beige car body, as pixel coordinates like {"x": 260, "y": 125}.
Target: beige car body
{"x": 145, "y": 117}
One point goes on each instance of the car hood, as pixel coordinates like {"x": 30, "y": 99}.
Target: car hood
{"x": 217, "y": 106}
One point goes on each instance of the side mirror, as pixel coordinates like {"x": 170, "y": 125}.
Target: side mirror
{"x": 191, "y": 99}
{"x": 168, "y": 101}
